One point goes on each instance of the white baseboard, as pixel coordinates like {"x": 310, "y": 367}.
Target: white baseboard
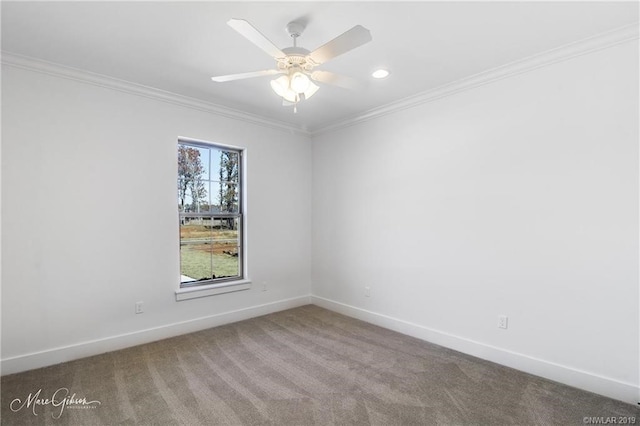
{"x": 626, "y": 392}
{"x": 95, "y": 347}
{"x": 615, "y": 389}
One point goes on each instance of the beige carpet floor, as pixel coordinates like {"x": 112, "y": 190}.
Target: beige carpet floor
{"x": 303, "y": 366}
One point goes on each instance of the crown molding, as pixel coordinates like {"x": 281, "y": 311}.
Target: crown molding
{"x": 562, "y": 53}
{"x": 57, "y": 70}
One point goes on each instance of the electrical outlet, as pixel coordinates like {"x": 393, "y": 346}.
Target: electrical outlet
{"x": 503, "y": 321}
{"x": 139, "y": 307}
{"x": 367, "y": 291}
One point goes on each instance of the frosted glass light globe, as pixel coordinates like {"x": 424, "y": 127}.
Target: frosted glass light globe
{"x": 299, "y": 82}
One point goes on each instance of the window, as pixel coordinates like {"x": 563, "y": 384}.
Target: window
{"x": 211, "y": 213}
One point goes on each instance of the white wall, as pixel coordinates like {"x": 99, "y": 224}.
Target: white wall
{"x": 90, "y": 222}
{"x": 516, "y": 198}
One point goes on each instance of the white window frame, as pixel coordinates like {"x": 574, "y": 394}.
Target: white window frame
{"x": 222, "y": 285}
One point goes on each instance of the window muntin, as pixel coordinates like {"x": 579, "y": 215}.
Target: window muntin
{"x": 210, "y": 209}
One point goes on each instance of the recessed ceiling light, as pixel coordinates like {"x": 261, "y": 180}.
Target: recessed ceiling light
{"x": 380, "y": 73}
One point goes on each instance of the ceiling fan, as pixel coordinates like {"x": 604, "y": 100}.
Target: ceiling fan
{"x": 296, "y": 63}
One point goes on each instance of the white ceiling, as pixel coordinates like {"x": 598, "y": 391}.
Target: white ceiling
{"x": 178, "y": 46}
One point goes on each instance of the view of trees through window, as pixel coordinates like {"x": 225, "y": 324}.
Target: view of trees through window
{"x": 210, "y": 213}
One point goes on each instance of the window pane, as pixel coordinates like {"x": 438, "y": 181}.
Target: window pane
{"x": 206, "y": 163}
{"x": 193, "y": 162}
{"x": 188, "y": 203}
{"x": 215, "y": 197}
{"x": 228, "y": 167}
{"x": 196, "y": 241}
{"x": 193, "y": 196}
{"x": 182, "y": 192}
{"x": 226, "y": 251}
{"x": 228, "y": 197}
{"x": 226, "y": 260}
{"x": 201, "y": 189}
{"x": 216, "y": 156}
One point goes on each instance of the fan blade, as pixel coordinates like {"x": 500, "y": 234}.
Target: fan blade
{"x": 355, "y": 37}
{"x": 336, "y": 80}
{"x": 255, "y": 37}
{"x": 231, "y": 77}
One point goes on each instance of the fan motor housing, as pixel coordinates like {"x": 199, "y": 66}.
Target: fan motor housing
{"x": 296, "y": 57}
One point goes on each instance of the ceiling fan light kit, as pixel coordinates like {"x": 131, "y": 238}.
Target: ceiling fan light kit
{"x": 297, "y": 63}
{"x": 299, "y": 82}
{"x": 293, "y": 89}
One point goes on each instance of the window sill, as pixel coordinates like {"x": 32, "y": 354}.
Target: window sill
{"x": 211, "y": 289}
